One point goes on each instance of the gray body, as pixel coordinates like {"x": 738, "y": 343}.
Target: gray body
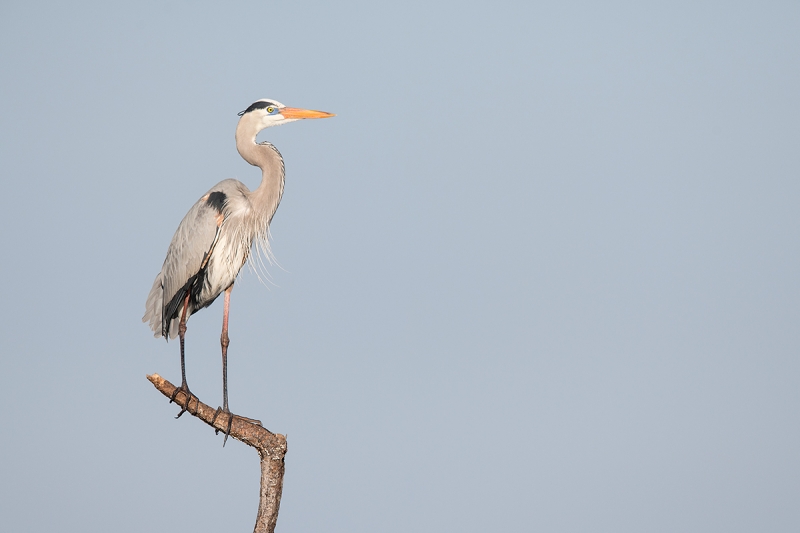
{"x": 214, "y": 239}
{"x": 209, "y": 248}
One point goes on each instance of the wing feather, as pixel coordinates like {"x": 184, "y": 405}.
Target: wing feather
{"x": 190, "y": 247}
{"x": 192, "y": 263}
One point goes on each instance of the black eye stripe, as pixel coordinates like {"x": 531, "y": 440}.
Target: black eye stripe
{"x": 262, "y": 104}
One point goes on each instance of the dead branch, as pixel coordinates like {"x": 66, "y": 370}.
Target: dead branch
{"x": 271, "y": 448}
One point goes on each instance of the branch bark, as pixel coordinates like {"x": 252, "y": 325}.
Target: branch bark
{"x": 271, "y": 449}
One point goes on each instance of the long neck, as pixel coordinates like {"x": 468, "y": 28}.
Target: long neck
{"x": 267, "y": 196}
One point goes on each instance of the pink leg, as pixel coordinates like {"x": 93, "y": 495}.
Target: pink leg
{"x": 182, "y": 334}
{"x": 225, "y": 341}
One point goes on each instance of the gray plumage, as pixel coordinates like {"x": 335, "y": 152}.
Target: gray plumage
{"x": 205, "y": 255}
{"x": 215, "y": 238}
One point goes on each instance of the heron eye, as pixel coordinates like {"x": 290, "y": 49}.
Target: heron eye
{"x": 270, "y": 109}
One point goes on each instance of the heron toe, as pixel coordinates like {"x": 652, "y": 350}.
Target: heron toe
{"x": 230, "y": 422}
{"x": 189, "y": 396}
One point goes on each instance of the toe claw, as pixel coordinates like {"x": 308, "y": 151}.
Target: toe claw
{"x": 228, "y": 432}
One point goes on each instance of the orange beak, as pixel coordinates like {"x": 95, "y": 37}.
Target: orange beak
{"x": 293, "y": 112}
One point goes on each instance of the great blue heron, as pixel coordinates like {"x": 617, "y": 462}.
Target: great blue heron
{"x": 216, "y": 236}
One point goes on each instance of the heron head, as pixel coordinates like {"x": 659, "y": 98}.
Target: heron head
{"x": 268, "y": 113}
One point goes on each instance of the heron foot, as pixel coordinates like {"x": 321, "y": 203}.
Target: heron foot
{"x": 185, "y": 407}
{"x": 230, "y": 422}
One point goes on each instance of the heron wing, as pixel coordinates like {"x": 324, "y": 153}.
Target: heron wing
{"x": 190, "y": 248}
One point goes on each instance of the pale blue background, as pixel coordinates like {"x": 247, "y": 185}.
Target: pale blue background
{"x": 539, "y": 274}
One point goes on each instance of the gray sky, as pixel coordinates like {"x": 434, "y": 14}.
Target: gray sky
{"x": 539, "y": 274}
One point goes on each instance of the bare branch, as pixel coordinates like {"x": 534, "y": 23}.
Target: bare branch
{"x": 271, "y": 449}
